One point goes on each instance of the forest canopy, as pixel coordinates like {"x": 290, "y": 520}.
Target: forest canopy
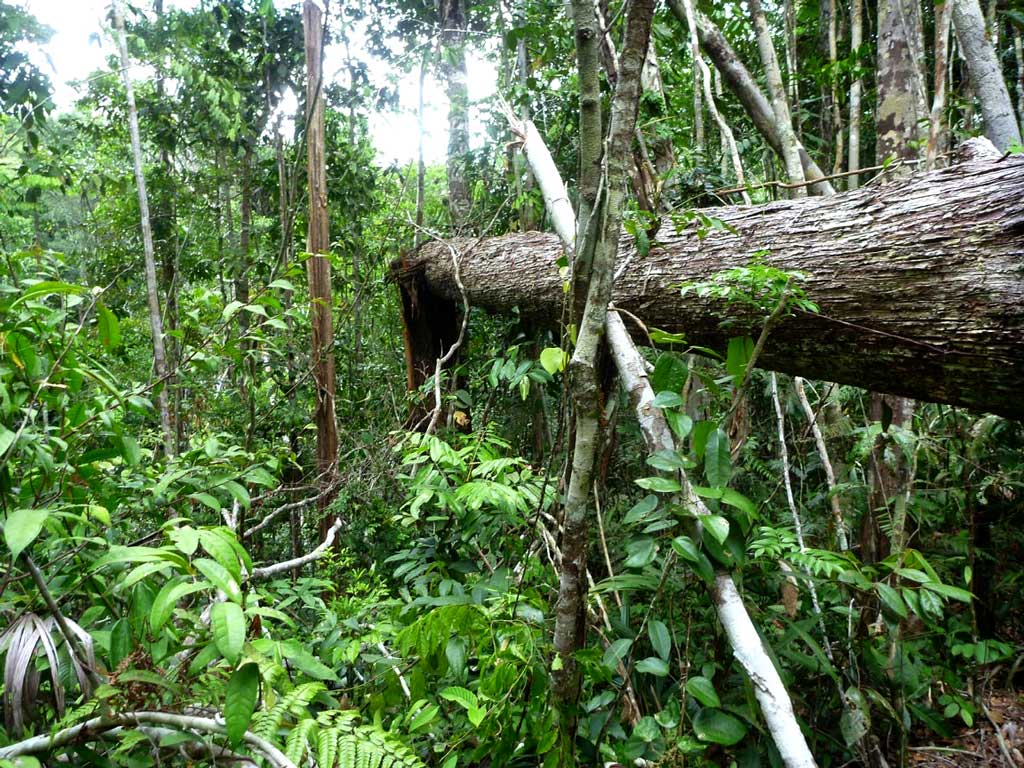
{"x": 658, "y": 407}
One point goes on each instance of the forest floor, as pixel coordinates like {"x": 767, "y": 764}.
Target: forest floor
{"x": 979, "y": 746}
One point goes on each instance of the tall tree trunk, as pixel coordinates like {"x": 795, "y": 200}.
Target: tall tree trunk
{"x": 156, "y": 325}
{"x": 742, "y": 84}
{"x": 777, "y": 94}
{"x": 902, "y": 95}
{"x": 986, "y": 76}
{"x": 1018, "y": 54}
{"x": 913, "y": 300}
{"x": 598, "y": 235}
{"x": 248, "y": 370}
{"x": 318, "y": 266}
{"x": 856, "y": 39}
{"x": 938, "y": 136}
{"x": 453, "y": 56}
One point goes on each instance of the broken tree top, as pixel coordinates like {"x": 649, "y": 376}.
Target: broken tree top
{"x": 919, "y": 283}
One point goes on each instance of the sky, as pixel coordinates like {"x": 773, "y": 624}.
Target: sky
{"x": 80, "y": 45}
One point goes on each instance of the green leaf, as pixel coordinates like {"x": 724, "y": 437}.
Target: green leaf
{"x": 652, "y": 665}
{"x": 6, "y": 439}
{"x": 660, "y": 638}
{"x": 45, "y": 288}
{"x": 167, "y": 598}
{"x": 737, "y": 357}
{"x": 667, "y": 399}
{"x": 641, "y": 553}
{"x": 240, "y": 701}
{"x": 228, "y": 625}
{"x": 668, "y": 461}
{"x": 717, "y": 526}
{"x": 185, "y": 538}
{"x": 238, "y": 492}
{"x": 685, "y": 547}
{"x": 717, "y": 462}
{"x": 461, "y": 696}
{"x": 283, "y": 284}
{"x": 108, "y": 326}
{"x": 736, "y": 499}
{"x": 659, "y": 484}
{"x": 679, "y": 423}
{"x": 423, "y": 716}
{"x": 669, "y": 373}
{"x": 220, "y": 578}
{"x": 616, "y": 652}
{"x": 222, "y": 552}
{"x": 207, "y": 499}
{"x": 718, "y": 727}
{"x": 22, "y": 527}
{"x": 554, "y": 359}
{"x": 947, "y": 590}
{"x": 641, "y": 509}
{"x": 892, "y": 600}
{"x": 703, "y": 690}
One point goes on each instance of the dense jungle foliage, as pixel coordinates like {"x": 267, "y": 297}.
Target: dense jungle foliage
{"x": 210, "y": 595}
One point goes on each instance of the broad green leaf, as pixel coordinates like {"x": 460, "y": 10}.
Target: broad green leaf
{"x": 660, "y": 638}
{"x": 554, "y": 359}
{"x": 208, "y": 499}
{"x": 717, "y": 526}
{"x": 641, "y": 509}
{"x": 687, "y": 549}
{"x": 121, "y": 642}
{"x": 668, "y": 461}
{"x": 616, "y": 652}
{"x": 222, "y": 552}
{"x": 699, "y": 436}
{"x": 240, "y": 701}
{"x": 220, "y": 578}
{"x": 185, "y": 538}
{"x": 306, "y": 662}
{"x": 669, "y": 373}
{"x": 947, "y": 590}
{"x": 6, "y": 439}
{"x": 461, "y": 696}
{"x": 284, "y": 285}
{"x": 228, "y": 625}
{"x": 717, "y": 462}
{"x": 737, "y": 357}
{"x": 892, "y": 600}
{"x": 679, "y": 423}
{"x": 718, "y": 727}
{"x": 423, "y": 716}
{"x": 641, "y": 553}
{"x": 238, "y": 492}
{"x": 167, "y": 598}
{"x": 108, "y": 326}
{"x": 21, "y": 528}
{"x": 652, "y": 665}
{"x": 703, "y": 690}
{"x": 476, "y": 715}
{"x": 736, "y": 499}
{"x": 667, "y": 400}
{"x": 46, "y": 288}
{"x": 659, "y": 484}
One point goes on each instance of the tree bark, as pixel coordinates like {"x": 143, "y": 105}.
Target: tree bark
{"x": 902, "y": 96}
{"x": 156, "y": 325}
{"x": 986, "y": 77}
{"x": 318, "y": 266}
{"x": 914, "y": 299}
{"x": 856, "y": 88}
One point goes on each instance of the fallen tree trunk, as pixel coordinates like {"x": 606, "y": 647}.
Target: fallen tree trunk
{"x": 920, "y": 284}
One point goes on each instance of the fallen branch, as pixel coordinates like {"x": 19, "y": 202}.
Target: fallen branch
{"x": 272, "y": 570}
{"x": 746, "y": 644}
{"x": 97, "y": 726}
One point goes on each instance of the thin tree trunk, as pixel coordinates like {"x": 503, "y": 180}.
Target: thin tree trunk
{"x": 598, "y": 234}
{"x": 986, "y": 75}
{"x": 745, "y": 88}
{"x": 453, "y": 37}
{"x": 318, "y": 266}
{"x": 152, "y": 292}
{"x": 792, "y": 68}
{"x": 777, "y": 94}
{"x": 705, "y": 78}
{"x": 937, "y": 134}
{"x": 938, "y": 316}
{"x": 856, "y": 40}
{"x": 826, "y": 463}
{"x": 836, "y": 111}
{"x": 1018, "y": 53}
